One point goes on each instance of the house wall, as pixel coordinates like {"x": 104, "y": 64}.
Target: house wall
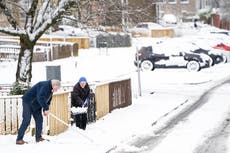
{"x": 180, "y": 9}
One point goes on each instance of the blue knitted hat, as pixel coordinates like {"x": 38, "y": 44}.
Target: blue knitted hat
{"x": 82, "y": 79}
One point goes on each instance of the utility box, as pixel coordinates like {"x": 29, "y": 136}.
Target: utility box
{"x": 53, "y": 72}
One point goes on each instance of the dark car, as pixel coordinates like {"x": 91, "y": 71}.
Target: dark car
{"x": 221, "y": 32}
{"x": 146, "y": 59}
{"x": 217, "y": 58}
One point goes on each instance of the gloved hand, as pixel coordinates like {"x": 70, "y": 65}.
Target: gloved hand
{"x": 87, "y": 99}
{"x": 82, "y": 103}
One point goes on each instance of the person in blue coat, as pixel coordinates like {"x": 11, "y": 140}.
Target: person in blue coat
{"x": 36, "y": 100}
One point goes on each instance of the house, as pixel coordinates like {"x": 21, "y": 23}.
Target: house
{"x": 131, "y": 12}
{"x": 183, "y": 10}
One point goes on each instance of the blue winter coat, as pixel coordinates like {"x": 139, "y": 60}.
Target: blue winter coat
{"x": 39, "y": 96}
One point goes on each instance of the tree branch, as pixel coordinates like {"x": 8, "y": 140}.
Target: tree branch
{"x": 56, "y": 14}
{"x": 30, "y": 16}
{"x": 14, "y": 32}
{"x": 42, "y": 14}
{"x": 8, "y": 14}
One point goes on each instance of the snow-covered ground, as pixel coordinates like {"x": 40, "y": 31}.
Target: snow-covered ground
{"x": 162, "y": 90}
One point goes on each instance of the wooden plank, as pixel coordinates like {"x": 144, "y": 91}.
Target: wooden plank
{"x": 52, "y": 121}
{"x": 162, "y": 33}
{"x": 2, "y": 116}
{"x": 120, "y": 94}
{"x": 83, "y": 42}
{"x": 8, "y": 115}
{"x": 102, "y": 100}
{"x": 59, "y": 108}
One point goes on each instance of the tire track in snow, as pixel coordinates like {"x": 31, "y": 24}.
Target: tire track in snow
{"x": 152, "y": 141}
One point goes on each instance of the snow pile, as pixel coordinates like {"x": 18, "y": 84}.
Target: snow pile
{"x": 78, "y": 110}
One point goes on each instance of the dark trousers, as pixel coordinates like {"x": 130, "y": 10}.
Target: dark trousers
{"x": 81, "y": 120}
{"x": 26, "y": 115}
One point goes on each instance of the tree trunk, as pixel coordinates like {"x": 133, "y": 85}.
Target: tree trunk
{"x": 24, "y": 68}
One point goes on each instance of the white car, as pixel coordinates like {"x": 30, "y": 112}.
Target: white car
{"x": 65, "y": 30}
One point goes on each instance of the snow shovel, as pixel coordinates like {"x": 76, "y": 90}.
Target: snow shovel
{"x": 68, "y": 125}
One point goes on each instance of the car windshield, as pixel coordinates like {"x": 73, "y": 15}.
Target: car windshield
{"x": 142, "y": 26}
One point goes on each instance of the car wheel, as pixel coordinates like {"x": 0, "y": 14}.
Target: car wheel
{"x": 193, "y": 66}
{"x": 219, "y": 59}
{"x": 147, "y": 65}
{"x": 225, "y": 59}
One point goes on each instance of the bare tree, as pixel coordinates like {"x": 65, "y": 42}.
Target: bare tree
{"x": 116, "y": 13}
{"x": 82, "y": 11}
{"x": 39, "y": 15}
{"x": 122, "y": 12}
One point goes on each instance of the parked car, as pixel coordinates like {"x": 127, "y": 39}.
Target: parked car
{"x": 208, "y": 42}
{"x": 221, "y": 32}
{"x": 222, "y": 46}
{"x": 146, "y": 59}
{"x": 65, "y": 30}
{"x": 168, "y": 20}
{"x": 143, "y": 28}
{"x": 217, "y": 57}
{"x": 148, "y": 25}
{"x": 204, "y": 47}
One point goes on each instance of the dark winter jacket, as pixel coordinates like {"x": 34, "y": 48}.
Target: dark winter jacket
{"x": 39, "y": 96}
{"x": 79, "y": 95}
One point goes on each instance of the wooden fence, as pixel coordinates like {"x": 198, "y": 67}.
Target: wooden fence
{"x": 11, "y": 114}
{"x": 5, "y": 89}
{"x": 60, "y": 107}
{"x": 219, "y": 23}
{"x": 112, "y": 95}
{"x": 4, "y": 92}
{"x": 41, "y": 53}
{"x": 102, "y": 100}
{"x": 9, "y": 53}
{"x": 157, "y": 33}
{"x": 83, "y": 42}
{"x": 62, "y": 51}
{"x": 108, "y": 97}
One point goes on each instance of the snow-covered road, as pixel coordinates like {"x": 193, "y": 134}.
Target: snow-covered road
{"x": 209, "y": 110}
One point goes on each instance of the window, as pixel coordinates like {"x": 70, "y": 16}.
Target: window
{"x": 184, "y": 1}
{"x": 142, "y": 26}
{"x": 159, "y": 1}
{"x": 125, "y": 2}
{"x": 172, "y": 1}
